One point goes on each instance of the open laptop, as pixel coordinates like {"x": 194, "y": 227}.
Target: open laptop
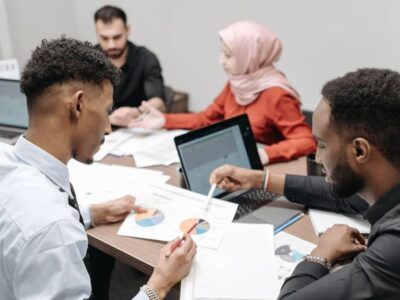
{"x": 229, "y": 142}
{"x": 13, "y": 111}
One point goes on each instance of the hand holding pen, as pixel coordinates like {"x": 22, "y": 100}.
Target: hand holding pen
{"x": 179, "y": 241}
{"x": 169, "y": 271}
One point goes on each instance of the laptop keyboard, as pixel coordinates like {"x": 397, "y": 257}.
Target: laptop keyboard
{"x": 251, "y": 200}
{"x": 8, "y": 134}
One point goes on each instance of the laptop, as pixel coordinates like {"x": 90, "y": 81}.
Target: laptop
{"x": 230, "y": 142}
{"x": 13, "y": 111}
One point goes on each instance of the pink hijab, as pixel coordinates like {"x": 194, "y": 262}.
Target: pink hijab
{"x": 255, "y": 49}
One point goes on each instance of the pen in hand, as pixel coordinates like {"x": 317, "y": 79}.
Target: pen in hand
{"x": 210, "y": 194}
{"x": 180, "y": 240}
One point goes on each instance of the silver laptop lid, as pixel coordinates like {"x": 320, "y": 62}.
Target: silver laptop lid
{"x": 13, "y": 106}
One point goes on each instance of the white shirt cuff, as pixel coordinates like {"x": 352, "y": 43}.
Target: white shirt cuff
{"x": 141, "y": 296}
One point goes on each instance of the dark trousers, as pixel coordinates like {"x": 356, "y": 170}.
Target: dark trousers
{"x": 101, "y": 266}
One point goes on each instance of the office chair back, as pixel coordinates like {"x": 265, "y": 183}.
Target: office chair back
{"x": 169, "y": 97}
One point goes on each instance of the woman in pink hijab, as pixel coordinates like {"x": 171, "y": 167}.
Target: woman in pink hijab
{"x": 248, "y": 53}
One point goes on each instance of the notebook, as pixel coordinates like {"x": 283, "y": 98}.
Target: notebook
{"x": 13, "y": 111}
{"x": 227, "y": 142}
{"x": 322, "y": 220}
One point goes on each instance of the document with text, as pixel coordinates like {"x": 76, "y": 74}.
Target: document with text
{"x": 172, "y": 211}
{"x": 97, "y": 182}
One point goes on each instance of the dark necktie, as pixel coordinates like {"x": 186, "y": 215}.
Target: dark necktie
{"x": 74, "y": 203}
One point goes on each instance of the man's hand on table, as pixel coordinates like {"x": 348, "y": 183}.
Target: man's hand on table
{"x": 114, "y": 210}
{"x": 338, "y": 242}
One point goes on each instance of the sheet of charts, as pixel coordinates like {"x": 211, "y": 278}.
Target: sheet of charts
{"x": 172, "y": 211}
{"x": 289, "y": 252}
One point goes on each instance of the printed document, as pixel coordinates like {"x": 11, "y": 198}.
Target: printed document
{"x": 172, "y": 211}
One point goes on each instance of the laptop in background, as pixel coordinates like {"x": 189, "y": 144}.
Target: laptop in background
{"x": 13, "y": 111}
{"x": 228, "y": 142}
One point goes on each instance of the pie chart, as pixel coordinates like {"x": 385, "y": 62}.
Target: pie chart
{"x": 289, "y": 254}
{"x": 149, "y": 218}
{"x": 202, "y": 226}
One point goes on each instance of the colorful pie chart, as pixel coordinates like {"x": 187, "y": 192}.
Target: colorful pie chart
{"x": 202, "y": 226}
{"x": 149, "y": 218}
{"x": 289, "y": 254}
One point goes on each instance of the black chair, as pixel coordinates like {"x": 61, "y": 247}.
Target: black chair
{"x": 169, "y": 97}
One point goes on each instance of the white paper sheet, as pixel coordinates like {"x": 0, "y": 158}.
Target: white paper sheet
{"x": 242, "y": 268}
{"x": 172, "y": 211}
{"x": 151, "y": 148}
{"x": 111, "y": 142}
{"x": 115, "y": 139}
{"x": 160, "y": 147}
{"x": 289, "y": 251}
{"x": 322, "y": 220}
{"x": 98, "y": 182}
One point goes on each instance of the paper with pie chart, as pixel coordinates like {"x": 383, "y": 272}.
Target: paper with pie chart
{"x": 289, "y": 251}
{"x": 151, "y": 217}
{"x": 201, "y": 226}
{"x": 172, "y": 211}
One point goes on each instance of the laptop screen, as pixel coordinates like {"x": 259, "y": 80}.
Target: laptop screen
{"x": 203, "y": 150}
{"x": 13, "y": 106}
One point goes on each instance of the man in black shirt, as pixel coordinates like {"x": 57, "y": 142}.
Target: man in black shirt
{"x": 141, "y": 79}
{"x": 356, "y": 125}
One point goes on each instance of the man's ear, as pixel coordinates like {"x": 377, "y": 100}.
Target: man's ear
{"x": 361, "y": 150}
{"x": 76, "y": 104}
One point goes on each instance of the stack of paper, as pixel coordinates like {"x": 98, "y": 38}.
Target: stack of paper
{"x": 242, "y": 268}
{"x": 111, "y": 141}
{"x": 322, "y": 220}
{"x": 151, "y": 149}
{"x": 98, "y": 182}
{"x": 135, "y": 141}
{"x": 172, "y": 211}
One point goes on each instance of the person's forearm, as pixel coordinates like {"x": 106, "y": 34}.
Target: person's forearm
{"x": 276, "y": 183}
{"x": 314, "y": 192}
{"x": 160, "y": 286}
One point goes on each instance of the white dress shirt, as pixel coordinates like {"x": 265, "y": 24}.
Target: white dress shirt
{"x": 42, "y": 243}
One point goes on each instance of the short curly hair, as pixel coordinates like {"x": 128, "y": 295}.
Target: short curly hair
{"x": 366, "y": 103}
{"x": 65, "y": 60}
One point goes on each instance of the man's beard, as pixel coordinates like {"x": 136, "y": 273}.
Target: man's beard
{"x": 344, "y": 181}
{"x": 115, "y": 53}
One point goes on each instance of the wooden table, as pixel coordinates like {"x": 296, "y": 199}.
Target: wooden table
{"x": 143, "y": 254}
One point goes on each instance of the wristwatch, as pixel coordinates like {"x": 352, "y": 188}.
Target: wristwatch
{"x": 149, "y": 291}
{"x": 320, "y": 260}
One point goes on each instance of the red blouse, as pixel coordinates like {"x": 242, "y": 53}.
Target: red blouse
{"x": 275, "y": 118}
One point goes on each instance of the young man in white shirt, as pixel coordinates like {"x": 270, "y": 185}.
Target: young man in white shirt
{"x": 69, "y": 88}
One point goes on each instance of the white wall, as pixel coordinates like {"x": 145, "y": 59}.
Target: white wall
{"x": 322, "y": 39}
{"x": 32, "y": 21}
